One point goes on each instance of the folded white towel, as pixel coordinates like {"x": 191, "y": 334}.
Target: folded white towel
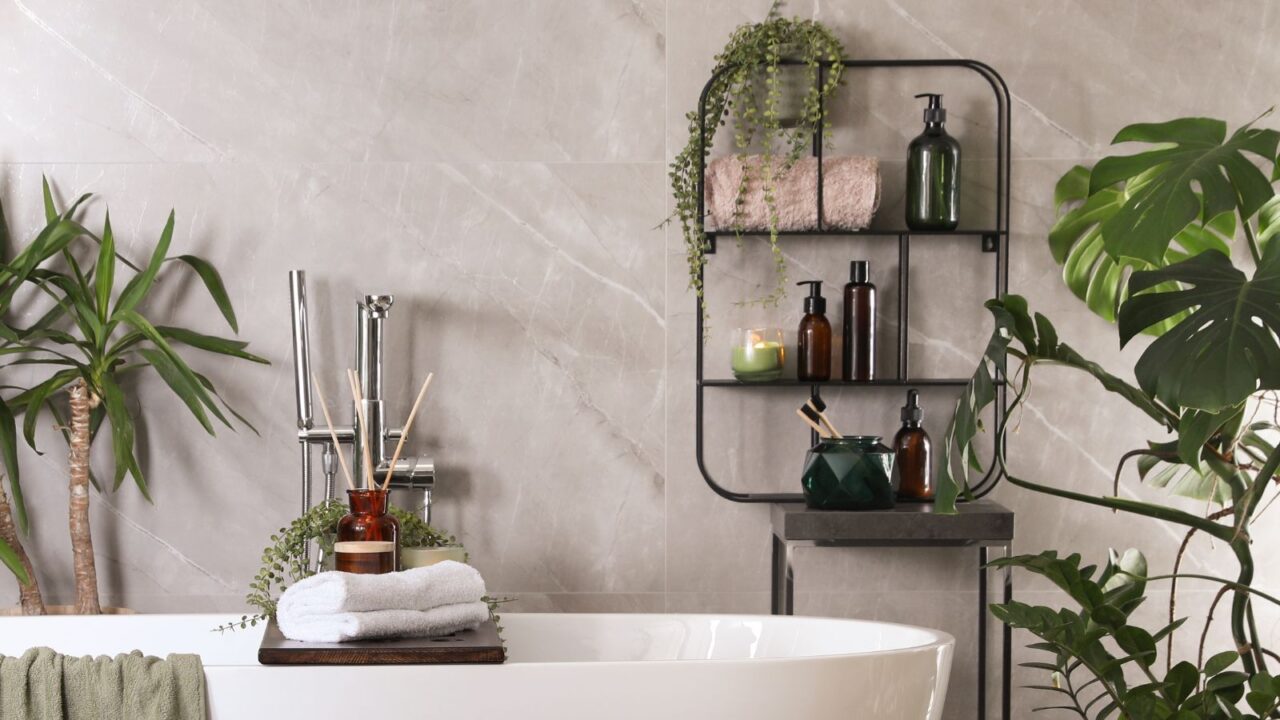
{"x": 424, "y": 588}
{"x": 374, "y": 624}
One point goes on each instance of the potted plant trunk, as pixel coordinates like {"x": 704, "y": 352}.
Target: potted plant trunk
{"x": 94, "y": 338}
{"x": 1146, "y": 240}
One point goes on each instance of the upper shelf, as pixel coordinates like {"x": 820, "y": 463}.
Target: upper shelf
{"x": 870, "y": 232}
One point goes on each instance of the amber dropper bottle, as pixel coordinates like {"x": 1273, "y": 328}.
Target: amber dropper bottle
{"x": 913, "y": 453}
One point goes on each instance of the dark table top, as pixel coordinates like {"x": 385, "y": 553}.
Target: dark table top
{"x": 982, "y": 522}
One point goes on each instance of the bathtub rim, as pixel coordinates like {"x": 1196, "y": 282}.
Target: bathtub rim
{"x": 940, "y": 639}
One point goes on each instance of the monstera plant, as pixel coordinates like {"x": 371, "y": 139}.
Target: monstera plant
{"x": 95, "y": 334}
{"x": 1146, "y": 240}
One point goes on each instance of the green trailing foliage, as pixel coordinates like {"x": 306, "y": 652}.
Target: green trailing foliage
{"x": 1145, "y": 241}
{"x": 748, "y": 91}
{"x": 284, "y": 561}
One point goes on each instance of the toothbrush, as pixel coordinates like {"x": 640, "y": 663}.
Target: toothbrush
{"x": 810, "y": 418}
{"x": 404, "y": 433}
{"x": 820, "y": 408}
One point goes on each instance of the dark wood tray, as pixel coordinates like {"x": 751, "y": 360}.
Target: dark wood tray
{"x": 481, "y": 645}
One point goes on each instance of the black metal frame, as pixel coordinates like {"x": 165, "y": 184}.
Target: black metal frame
{"x": 994, "y": 240}
{"x": 782, "y": 602}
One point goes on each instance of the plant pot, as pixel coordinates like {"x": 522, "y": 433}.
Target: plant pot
{"x": 414, "y": 557}
{"x": 849, "y": 473}
{"x": 64, "y": 610}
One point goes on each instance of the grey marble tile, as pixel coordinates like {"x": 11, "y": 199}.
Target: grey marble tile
{"x": 288, "y": 81}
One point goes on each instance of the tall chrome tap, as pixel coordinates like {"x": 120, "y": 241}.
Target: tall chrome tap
{"x": 417, "y": 473}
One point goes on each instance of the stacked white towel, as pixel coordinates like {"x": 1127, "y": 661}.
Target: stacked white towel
{"x": 423, "y": 602}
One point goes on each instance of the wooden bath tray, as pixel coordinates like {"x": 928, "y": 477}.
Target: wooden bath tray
{"x": 481, "y": 645}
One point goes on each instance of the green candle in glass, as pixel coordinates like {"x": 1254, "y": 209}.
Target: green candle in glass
{"x": 758, "y": 354}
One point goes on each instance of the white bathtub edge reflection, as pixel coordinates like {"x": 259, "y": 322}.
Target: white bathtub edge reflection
{"x": 562, "y": 666}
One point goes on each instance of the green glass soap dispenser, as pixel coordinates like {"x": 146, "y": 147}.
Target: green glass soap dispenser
{"x": 933, "y": 173}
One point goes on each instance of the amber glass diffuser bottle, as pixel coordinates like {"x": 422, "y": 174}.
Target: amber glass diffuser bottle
{"x": 368, "y": 538}
{"x": 813, "y": 352}
{"x": 913, "y": 454}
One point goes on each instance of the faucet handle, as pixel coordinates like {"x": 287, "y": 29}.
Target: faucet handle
{"x": 378, "y": 305}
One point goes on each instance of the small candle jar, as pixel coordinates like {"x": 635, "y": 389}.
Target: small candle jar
{"x": 757, "y": 354}
{"x": 368, "y": 538}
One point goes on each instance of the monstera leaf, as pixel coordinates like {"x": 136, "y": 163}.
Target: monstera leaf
{"x": 1226, "y": 349}
{"x": 1076, "y": 242}
{"x": 1200, "y": 174}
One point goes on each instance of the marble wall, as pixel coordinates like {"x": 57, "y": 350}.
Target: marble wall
{"x": 500, "y": 166}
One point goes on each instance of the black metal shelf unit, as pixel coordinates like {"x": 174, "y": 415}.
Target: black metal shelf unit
{"x": 994, "y": 240}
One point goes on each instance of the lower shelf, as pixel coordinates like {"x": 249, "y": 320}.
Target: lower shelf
{"x": 982, "y": 522}
{"x": 889, "y": 382}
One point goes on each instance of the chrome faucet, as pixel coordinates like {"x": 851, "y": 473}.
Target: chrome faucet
{"x": 416, "y": 473}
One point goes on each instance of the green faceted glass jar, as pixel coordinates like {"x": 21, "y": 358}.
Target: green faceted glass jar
{"x": 849, "y": 473}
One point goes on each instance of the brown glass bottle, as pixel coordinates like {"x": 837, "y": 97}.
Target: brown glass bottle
{"x": 368, "y": 538}
{"x": 913, "y": 454}
{"x": 858, "y": 360}
{"x": 813, "y": 351}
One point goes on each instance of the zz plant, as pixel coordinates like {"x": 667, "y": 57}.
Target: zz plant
{"x": 96, "y": 335}
{"x": 752, "y": 59}
{"x": 1146, "y": 240}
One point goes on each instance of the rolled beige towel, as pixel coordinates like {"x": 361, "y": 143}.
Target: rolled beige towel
{"x": 850, "y": 193}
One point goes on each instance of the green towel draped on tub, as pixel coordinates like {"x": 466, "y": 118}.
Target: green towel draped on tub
{"x": 43, "y": 685}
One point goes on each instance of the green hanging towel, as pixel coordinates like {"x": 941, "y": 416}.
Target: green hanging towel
{"x": 43, "y": 685}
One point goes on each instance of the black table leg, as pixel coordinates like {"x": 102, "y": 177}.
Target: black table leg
{"x": 1006, "y": 680}
{"x": 783, "y": 580}
{"x": 982, "y": 633}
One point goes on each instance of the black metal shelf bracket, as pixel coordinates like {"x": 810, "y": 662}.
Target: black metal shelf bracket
{"x": 994, "y": 241}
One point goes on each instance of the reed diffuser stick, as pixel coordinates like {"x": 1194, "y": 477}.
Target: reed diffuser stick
{"x": 364, "y": 427}
{"x": 404, "y": 433}
{"x": 333, "y": 436}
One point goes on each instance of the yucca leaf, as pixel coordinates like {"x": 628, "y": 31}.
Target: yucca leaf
{"x": 105, "y": 271}
{"x": 122, "y": 434}
{"x": 9, "y": 451}
{"x": 140, "y": 285}
{"x": 10, "y": 560}
{"x": 221, "y": 346}
{"x": 145, "y": 327}
{"x": 213, "y": 283}
{"x": 178, "y": 383}
{"x": 36, "y": 399}
{"x": 50, "y": 210}
{"x": 208, "y": 385}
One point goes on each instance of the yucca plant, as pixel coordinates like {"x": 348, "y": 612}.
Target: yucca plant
{"x": 95, "y": 335}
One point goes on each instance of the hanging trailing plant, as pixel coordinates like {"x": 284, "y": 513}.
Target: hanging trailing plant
{"x": 750, "y": 84}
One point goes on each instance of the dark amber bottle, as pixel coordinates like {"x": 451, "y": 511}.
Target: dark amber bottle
{"x": 913, "y": 454}
{"x": 813, "y": 352}
{"x": 368, "y": 537}
{"x": 858, "y": 361}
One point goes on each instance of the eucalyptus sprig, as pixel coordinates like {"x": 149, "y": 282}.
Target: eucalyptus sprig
{"x": 755, "y": 53}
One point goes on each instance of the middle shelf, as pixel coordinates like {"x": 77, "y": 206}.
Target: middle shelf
{"x": 887, "y": 382}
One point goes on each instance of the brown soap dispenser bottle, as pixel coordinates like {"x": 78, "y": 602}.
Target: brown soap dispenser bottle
{"x": 813, "y": 356}
{"x": 858, "y": 361}
{"x": 912, "y": 451}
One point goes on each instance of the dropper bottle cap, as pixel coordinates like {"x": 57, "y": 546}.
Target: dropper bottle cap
{"x": 815, "y": 304}
{"x": 911, "y": 412}
{"x": 859, "y": 270}
{"x": 935, "y": 113}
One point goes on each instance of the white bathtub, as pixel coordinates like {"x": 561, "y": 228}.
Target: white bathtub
{"x": 562, "y": 666}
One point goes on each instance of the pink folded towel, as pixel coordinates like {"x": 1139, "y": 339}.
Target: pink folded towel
{"x": 850, "y": 193}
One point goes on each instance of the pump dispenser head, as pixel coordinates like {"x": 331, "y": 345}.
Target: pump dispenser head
{"x": 859, "y": 270}
{"x": 935, "y": 113}
{"x": 815, "y": 304}
{"x": 911, "y": 412}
